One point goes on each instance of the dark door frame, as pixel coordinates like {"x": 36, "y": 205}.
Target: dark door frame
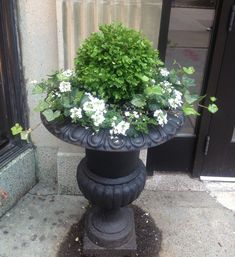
{"x": 193, "y": 147}
{"x": 212, "y": 80}
{"x": 164, "y": 28}
{"x": 12, "y": 94}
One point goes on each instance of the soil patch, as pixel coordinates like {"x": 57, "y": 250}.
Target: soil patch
{"x": 148, "y": 237}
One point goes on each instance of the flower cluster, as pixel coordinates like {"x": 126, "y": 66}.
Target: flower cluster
{"x": 75, "y": 113}
{"x": 176, "y": 100}
{"x": 119, "y": 84}
{"x": 162, "y": 94}
{"x": 65, "y": 86}
{"x": 161, "y": 117}
{"x": 93, "y": 108}
{"x": 120, "y": 128}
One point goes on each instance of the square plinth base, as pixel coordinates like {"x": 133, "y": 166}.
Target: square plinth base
{"x": 92, "y": 250}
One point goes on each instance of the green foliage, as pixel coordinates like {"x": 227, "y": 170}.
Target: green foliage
{"x": 213, "y": 99}
{"x": 51, "y": 115}
{"x": 189, "y": 110}
{"x": 189, "y": 70}
{"x": 116, "y": 63}
{"x": 212, "y": 108}
{"x": 138, "y": 101}
{"x": 17, "y": 129}
{"x": 120, "y": 84}
{"x": 153, "y": 90}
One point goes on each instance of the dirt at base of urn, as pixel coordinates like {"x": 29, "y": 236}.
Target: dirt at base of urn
{"x": 148, "y": 237}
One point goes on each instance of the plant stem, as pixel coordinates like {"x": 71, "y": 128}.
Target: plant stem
{"x": 36, "y": 126}
{"x": 203, "y": 106}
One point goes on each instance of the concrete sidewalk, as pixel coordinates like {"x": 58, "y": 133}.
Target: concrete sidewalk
{"x": 193, "y": 224}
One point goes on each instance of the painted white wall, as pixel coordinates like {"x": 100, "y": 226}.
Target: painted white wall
{"x": 38, "y": 34}
{"x": 38, "y": 27}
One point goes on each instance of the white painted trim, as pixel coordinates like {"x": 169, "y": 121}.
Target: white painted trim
{"x": 59, "y": 17}
{"x": 217, "y": 179}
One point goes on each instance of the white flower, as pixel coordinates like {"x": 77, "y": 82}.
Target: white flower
{"x": 168, "y": 89}
{"x": 172, "y": 103}
{"x": 176, "y": 100}
{"x": 120, "y": 129}
{"x": 178, "y": 82}
{"x": 33, "y": 82}
{"x": 76, "y": 113}
{"x": 178, "y": 94}
{"x": 98, "y": 105}
{"x": 57, "y": 94}
{"x": 95, "y": 108}
{"x": 88, "y": 107}
{"x": 153, "y": 81}
{"x": 67, "y": 73}
{"x": 136, "y": 115}
{"x": 97, "y": 118}
{"x": 164, "y": 72}
{"x": 127, "y": 114}
{"x": 114, "y": 118}
{"x": 167, "y": 83}
{"x": 94, "y": 104}
{"x": 161, "y": 117}
{"x": 65, "y": 86}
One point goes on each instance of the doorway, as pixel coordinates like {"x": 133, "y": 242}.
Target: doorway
{"x": 218, "y": 157}
{"x": 190, "y": 32}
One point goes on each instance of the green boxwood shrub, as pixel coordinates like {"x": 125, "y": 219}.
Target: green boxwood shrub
{"x": 115, "y": 63}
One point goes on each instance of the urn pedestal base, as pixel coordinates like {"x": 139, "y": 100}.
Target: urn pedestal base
{"x": 111, "y": 176}
{"x": 110, "y": 181}
{"x": 110, "y": 233}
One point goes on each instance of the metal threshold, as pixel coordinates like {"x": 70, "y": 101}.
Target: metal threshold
{"x": 217, "y": 179}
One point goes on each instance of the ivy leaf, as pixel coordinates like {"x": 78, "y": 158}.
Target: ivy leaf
{"x": 189, "y": 110}
{"x": 213, "y": 99}
{"x": 188, "y": 82}
{"x": 155, "y": 90}
{"x": 50, "y": 115}
{"x": 17, "y": 129}
{"x": 189, "y": 70}
{"x": 213, "y": 108}
{"x": 24, "y": 135}
{"x": 57, "y": 114}
{"x": 153, "y": 106}
{"x": 138, "y": 101}
{"x": 84, "y": 99}
{"x": 38, "y": 89}
{"x": 43, "y": 105}
{"x": 66, "y": 102}
{"x": 190, "y": 98}
{"x": 78, "y": 96}
{"x": 200, "y": 98}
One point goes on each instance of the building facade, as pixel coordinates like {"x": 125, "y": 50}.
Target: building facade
{"x": 39, "y": 37}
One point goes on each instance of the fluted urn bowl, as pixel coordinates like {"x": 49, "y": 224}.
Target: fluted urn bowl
{"x": 111, "y": 176}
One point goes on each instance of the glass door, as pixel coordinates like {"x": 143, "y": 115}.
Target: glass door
{"x": 216, "y": 149}
{"x": 186, "y": 36}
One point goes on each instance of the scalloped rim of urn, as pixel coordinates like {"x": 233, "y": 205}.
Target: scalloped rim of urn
{"x": 102, "y": 141}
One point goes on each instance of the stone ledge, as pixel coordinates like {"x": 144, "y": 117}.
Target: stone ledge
{"x": 17, "y": 178}
{"x": 66, "y": 172}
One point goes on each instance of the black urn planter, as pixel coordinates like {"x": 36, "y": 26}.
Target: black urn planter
{"x": 111, "y": 176}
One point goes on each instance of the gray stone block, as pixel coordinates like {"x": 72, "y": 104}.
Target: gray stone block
{"x": 17, "y": 178}
{"x": 66, "y": 172}
{"x": 47, "y": 164}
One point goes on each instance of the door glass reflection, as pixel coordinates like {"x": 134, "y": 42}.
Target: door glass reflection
{"x": 190, "y": 29}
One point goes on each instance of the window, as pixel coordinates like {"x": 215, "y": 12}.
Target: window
{"x": 12, "y": 97}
